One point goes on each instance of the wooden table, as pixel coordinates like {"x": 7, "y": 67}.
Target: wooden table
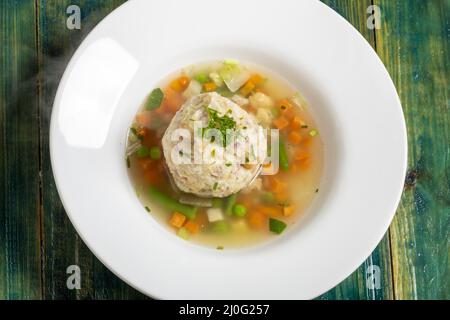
{"x": 38, "y": 243}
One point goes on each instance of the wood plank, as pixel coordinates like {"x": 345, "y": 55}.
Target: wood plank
{"x": 355, "y": 286}
{"x": 413, "y": 44}
{"x": 62, "y": 246}
{"x": 20, "y": 260}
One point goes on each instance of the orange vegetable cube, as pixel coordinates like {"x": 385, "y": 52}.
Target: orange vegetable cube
{"x": 192, "y": 226}
{"x": 297, "y": 122}
{"x": 294, "y": 137}
{"x": 269, "y": 211}
{"x": 180, "y": 84}
{"x": 305, "y": 164}
{"x": 274, "y": 184}
{"x": 172, "y": 101}
{"x": 301, "y": 155}
{"x": 288, "y": 210}
{"x": 177, "y": 220}
{"x": 256, "y": 219}
{"x": 281, "y": 123}
{"x": 247, "y": 88}
{"x": 256, "y": 79}
{"x": 286, "y": 108}
{"x": 143, "y": 118}
{"x": 209, "y": 86}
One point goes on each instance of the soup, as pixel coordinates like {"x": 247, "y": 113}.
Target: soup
{"x": 226, "y": 200}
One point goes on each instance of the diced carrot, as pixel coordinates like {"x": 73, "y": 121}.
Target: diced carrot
{"x": 247, "y": 88}
{"x": 297, "y": 122}
{"x": 209, "y": 86}
{"x": 284, "y": 104}
{"x": 192, "y": 226}
{"x": 180, "y": 84}
{"x": 301, "y": 155}
{"x": 286, "y": 108}
{"x": 172, "y": 101}
{"x": 269, "y": 211}
{"x": 274, "y": 184}
{"x": 288, "y": 210}
{"x": 281, "y": 123}
{"x": 256, "y": 79}
{"x": 256, "y": 219}
{"x": 295, "y": 137}
{"x": 177, "y": 220}
{"x": 305, "y": 164}
{"x": 143, "y": 118}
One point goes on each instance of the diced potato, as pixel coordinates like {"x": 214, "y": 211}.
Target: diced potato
{"x": 216, "y": 78}
{"x": 260, "y": 100}
{"x": 214, "y": 214}
{"x": 193, "y": 89}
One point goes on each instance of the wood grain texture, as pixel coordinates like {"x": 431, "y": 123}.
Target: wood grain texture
{"x": 413, "y": 42}
{"x": 355, "y": 287}
{"x": 20, "y": 270}
{"x": 62, "y": 246}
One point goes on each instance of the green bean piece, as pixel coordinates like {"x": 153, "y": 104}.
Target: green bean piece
{"x": 172, "y": 204}
{"x": 283, "y": 157}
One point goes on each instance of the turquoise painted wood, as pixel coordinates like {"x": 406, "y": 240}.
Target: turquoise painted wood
{"x": 20, "y": 259}
{"x": 413, "y": 42}
{"x": 38, "y": 243}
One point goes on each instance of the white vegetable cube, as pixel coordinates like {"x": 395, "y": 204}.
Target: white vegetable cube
{"x": 214, "y": 214}
{"x": 193, "y": 89}
{"x": 216, "y": 78}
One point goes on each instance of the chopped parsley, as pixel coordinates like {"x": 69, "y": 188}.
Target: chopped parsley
{"x": 220, "y": 123}
{"x": 147, "y": 208}
{"x": 216, "y": 184}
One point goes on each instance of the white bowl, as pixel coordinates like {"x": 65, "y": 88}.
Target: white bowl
{"x": 351, "y": 96}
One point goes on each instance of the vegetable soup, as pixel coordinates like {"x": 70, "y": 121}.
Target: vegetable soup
{"x": 229, "y": 203}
